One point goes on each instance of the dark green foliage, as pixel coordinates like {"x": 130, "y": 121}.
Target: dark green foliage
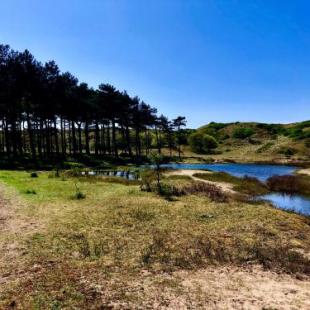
{"x": 243, "y": 133}
{"x": 31, "y": 191}
{"x": 78, "y": 194}
{"x": 147, "y": 178}
{"x": 157, "y": 159}
{"x": 33, "y": 175}
{"x": 48, "y": 114}
{"x": 202, "y": 143}
{"x": 287, "y": 151}
{"x": 272, "y": 129}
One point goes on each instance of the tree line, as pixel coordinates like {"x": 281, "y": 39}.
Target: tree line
{"x": 47, "y": 113}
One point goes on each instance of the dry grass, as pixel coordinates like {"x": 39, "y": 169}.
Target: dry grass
{"x": 89, "y": 253}
{"x": 290, "y": 184}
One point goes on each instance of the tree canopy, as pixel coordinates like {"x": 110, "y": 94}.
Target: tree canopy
{"x": 202, "y": 143}
{"x": 45, "y": 112}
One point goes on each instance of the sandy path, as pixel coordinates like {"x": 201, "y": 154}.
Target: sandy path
{"x": 246, "y": 288}
{"x": 304, "y": 171}
{"x": 226, "y": 187}
{"x": 14, "y": 226}
{"x": 215, "y": 288}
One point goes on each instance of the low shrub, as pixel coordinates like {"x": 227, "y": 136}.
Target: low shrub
{"x": 34, "y": 175}
{"x": 264, "y": 147}
{"x": 75, "y": 172}
{"x": 243, "y": 133}
{"x": 213, "y": 192}
{"x": 72, "y": 165}
{"x": 117, "y": 180}
{"x": 78, "y": 194}
{"x": 147, "y": 178}
{"x": 287, "y": 151}
{"x": 289, "y": 184}
{"x": 31, "y": 191}
{"x": 251, "y": 186}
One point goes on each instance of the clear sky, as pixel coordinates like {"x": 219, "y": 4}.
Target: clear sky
{"x": 209, "y": 60}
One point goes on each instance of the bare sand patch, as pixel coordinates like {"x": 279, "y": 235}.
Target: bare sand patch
{"x": 226, "y": 187}
{"x": 304, "y": 171}
{"x": 246, "y": 288}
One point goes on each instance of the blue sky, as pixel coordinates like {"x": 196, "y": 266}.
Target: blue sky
{"x": 209, "y": 60}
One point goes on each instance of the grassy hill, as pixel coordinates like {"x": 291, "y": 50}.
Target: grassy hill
{"x": 258, "y": 141}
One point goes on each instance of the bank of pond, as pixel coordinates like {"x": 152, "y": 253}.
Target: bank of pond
{"x": 262, "y": 172}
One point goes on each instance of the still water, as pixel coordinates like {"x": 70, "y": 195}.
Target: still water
{"x": 294, "y": 203}
{"x": 261, "y": 172}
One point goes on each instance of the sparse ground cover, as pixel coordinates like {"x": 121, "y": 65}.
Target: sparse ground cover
{"x": 119, "y": 247}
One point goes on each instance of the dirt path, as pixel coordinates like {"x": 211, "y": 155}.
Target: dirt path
{"x": 14, "y": 227}
{"x": 213, "y": 288}
{"x": 226, "y": 187}
{"x": 246, "y": 288}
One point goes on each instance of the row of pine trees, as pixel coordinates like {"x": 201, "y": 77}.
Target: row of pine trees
{"x": 47, "y": 113}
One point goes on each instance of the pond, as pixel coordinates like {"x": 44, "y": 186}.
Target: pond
{"x": 262, "y": 172}
{"x": 294, "y": 203}
{"x": 259, "y": 171}
{"x": 128, "y": 175}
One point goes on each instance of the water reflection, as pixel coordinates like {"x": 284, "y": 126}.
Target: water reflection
{"x": 128, "y": 175}
{"x": 294, "y": 203}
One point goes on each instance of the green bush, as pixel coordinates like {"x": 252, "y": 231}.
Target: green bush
{"x": 166, "y": 190}
{"x": 31, "y": 191}
{"x": 243, "y": 133}
{"x": 79, "y": 195}
{"x": 202, "y": 143}
{"x": 147, "y": 178}
{"x": 287, "y": 151}
{"x": 72, "y": 164}
{"x": 264, "y": 147}
{"x": 33, "y": 175}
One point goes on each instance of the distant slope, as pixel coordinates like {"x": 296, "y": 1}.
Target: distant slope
{"x": 260, "y": 140}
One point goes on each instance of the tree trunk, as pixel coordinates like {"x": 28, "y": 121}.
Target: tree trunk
{"x": 30, "y": 134}
{"x": 74, "y": 149}
{"x": 86, "y": 132}
{"x": 115, "y": 151}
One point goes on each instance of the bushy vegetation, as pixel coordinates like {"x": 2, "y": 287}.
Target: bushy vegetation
{"x": 289, "y": 184}
{"x": 202, "y": 143}
{"x": 287, "y": 151}
{"x": 243, "y": 133}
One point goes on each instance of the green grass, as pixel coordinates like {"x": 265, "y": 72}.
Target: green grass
{"x": 117, "y": 231}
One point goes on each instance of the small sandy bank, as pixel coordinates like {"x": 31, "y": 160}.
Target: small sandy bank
{"x": 246, "y": 288}
{"x": 304, "y": 171}
{"x": 226, "y": 187}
